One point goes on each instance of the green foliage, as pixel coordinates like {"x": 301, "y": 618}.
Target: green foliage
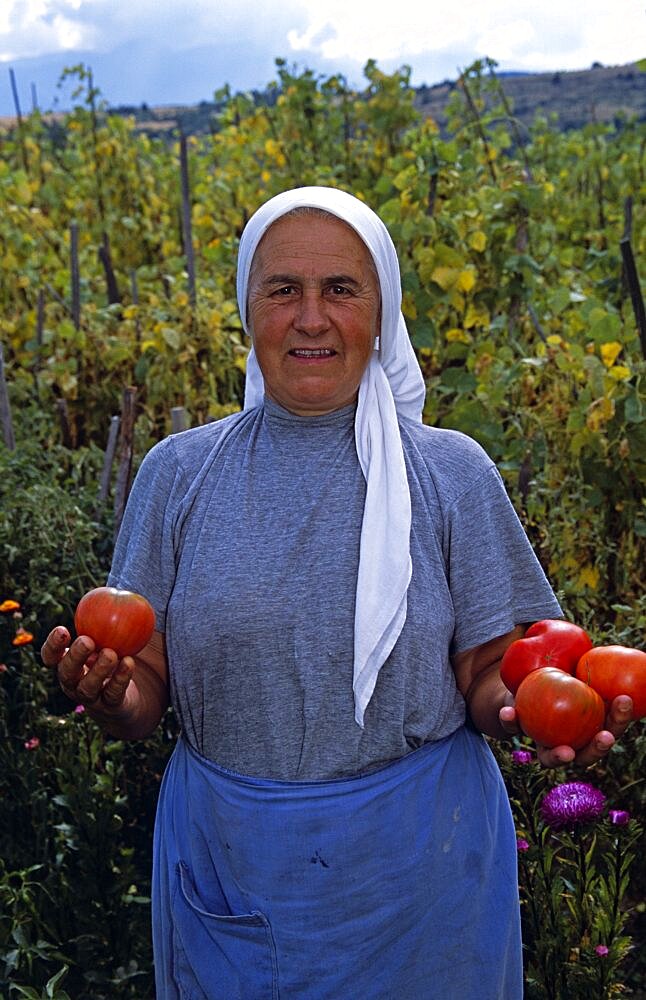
{"x": 516, "y": 302}
{"x": 83, "y": 805}
{"x": 53, "y": 546}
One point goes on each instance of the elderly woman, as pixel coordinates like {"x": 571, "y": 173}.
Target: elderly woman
{"x": 335, "y": 585}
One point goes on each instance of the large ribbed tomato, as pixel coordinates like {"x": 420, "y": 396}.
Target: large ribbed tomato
{"x": 557, "y": 709}
{"x": 115, "y": 619}
{"x": 547, "y": 643}
{"x": 614, "y": 670}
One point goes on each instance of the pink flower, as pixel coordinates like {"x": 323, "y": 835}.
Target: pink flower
{"x": 32, "y": 744}
{"x": 79, "y": 709}
{"x": 522, "y": 844}
{"x": 522, "y": 756}
{"x": 3, "y": 668}
{"x": 619, "y": 817}
{"x": 571, "y": 803}
{"x": 602, "y": 950}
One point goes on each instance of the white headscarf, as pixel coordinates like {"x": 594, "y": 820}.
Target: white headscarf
{"x": 391, "y": 384}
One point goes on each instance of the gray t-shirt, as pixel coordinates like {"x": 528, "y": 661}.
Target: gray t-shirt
{"x": 244, "y": 535}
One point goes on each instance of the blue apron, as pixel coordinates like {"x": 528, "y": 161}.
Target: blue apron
{"x": 400, "y": 884}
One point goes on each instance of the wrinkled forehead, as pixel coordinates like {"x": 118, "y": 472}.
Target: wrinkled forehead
{"x": 352, "y": 238}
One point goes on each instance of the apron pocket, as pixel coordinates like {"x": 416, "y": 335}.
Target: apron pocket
{"x": 220, "y": 957}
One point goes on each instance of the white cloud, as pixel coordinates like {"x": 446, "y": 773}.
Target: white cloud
{"x": 516, "y": 32}
{"x": 31, "y": 28}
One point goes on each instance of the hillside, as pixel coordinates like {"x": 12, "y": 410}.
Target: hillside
{"x": 573, "y": 98}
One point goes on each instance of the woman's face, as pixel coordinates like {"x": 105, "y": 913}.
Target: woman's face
{"x": 314, "y": 312}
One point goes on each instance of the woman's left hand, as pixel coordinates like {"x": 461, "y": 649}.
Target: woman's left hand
{"x": 617, "y": 721}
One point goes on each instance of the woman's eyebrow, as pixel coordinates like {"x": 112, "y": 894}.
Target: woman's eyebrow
{"x": 329, "y": 279}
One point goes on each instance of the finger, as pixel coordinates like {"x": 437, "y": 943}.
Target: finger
{"x": 509, "y": 720}
{"x": 620, "y": 715}
{"x": 596, "y": 749}
{"x": 54, "y": 646}
{"x": 114, "y": 690}
{"x": 555, "y": 756}
{"x": 90, "y": 687}
{"x": 71, "y": 668}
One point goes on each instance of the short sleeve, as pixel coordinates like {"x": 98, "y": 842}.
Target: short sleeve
{"x": 144, "y": 557}
{"x": 496, "y": 580}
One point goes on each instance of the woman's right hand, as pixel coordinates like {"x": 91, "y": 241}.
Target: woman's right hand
{"x": 127, "y": 697}
{"x": 95, "y": 679}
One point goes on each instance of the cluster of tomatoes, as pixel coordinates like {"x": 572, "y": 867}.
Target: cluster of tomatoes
{"x": 563, "y": 684}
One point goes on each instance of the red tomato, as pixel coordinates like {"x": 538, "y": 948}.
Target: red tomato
{"x": 613, "y": 670}
{"x": 115, "y": 619}
{"x": 557, "y": 709}
{"x": 548, "y": 643}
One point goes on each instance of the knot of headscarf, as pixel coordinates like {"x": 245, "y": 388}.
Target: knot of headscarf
{"x": 392, "y": 384}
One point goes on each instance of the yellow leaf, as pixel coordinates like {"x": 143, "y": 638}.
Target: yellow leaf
{"x": 589, "y": 577}
{"x": 445, "y": 277}
{"x": 478, "y": 241}
{"x": 456, "y": 335}
{"x": 476, "y": 316}
{"x": 409, "y": 308}
{"x": 610, "y": 351}
{"x": 599, "y": 413}
{"x": 466, "y": 280}
{"x": 620, "y": 373}
{"x": 555, "y": 340}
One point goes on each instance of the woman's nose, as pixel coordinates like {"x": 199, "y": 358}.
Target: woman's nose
{"x": 311, "y": 315}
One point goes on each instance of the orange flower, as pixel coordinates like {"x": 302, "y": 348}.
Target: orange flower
{"x": 22, "y": 637}
{"x": 10, "y": 606}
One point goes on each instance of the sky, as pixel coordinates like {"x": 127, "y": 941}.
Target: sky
{"x": 169, "y": 52}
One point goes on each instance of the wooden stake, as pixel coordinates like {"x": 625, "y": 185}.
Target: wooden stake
{"x": 75, "y": 275}
{"x": 64, "y": 420}
{"x": 105, "y": 257}
{"x": 124, "y": 470}
{"x": 5, "y": 408}
{"x": 187, "y": 230}
{"x": 630, "y": 270}
{"x": 108, "y": 459}
{"x": 178, "y": 419}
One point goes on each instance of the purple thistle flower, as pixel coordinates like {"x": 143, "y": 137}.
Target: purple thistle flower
{"x": 619, "y": 817}
{"x": 571, "y": 803}
{"x": 602, "y": 950}
{"x": 522, "y": 756}
{"x": 522, "y": 844}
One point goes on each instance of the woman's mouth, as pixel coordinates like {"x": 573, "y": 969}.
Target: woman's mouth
{"x": 313, "y": 352}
